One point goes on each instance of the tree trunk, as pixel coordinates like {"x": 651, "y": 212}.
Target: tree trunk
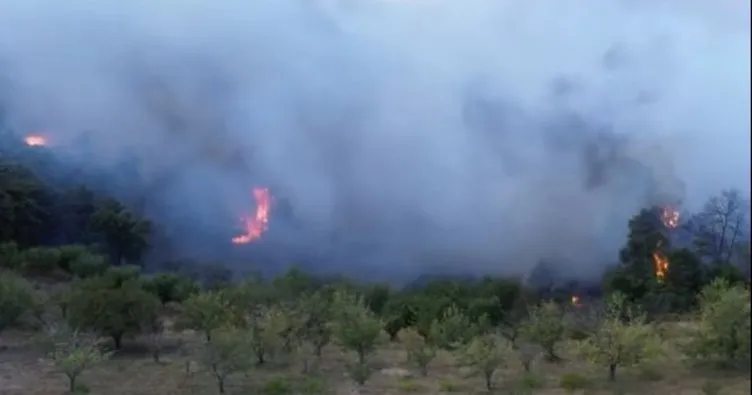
{"x": 489, "y": 380}
{"x": 612, "y": 372}
{"x": 221, "y": 385}
{"x": 155, "y": 355}
{"x": 71, "y": 384}
{"x": 118, "y": 339}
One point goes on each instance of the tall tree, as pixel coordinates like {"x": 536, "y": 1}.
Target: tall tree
{"x": 721, "y": 226}
{"x": 124, "y": 234}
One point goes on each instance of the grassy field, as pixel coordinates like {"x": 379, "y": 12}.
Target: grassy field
{"x": 25, "y": 371}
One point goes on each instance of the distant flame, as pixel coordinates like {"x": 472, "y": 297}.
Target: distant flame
{"x": 35, "y": 140}
{"x": 661, "y": 264}
{"x": 574, "y": 300}
{"x": 670, "y": 217}
{"x": 256, "y": 225}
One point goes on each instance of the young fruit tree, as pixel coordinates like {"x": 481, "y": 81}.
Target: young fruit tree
{"x": 545, "y": 326}
{"x": 204, "y": 312}
{"x": 724, "y": 333}
{"x": 620, "y": 341}
{"x": 453, "y": 330}
{"x": 356, "y": 328}
{"x": 73, "y": 352}
{"x": 229, "y": 351}
{"x": 485, "y": 355}
{"x": 419, "y": 351}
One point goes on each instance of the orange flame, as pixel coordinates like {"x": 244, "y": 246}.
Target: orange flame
{"x": 661, "y": 265}
{"x": 574, "y": 300}
{"x": 256, "y": 225}
{"x": 35, "y": 140}
{"x": 670, "y": 218}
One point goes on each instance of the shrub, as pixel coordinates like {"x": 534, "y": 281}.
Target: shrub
{"x": 724, "y": 334}
{"x": 88, "y": 265}
{"x": 17, "y": 299}
{"x": 485, "y": 355}
{"x": 571, "y": 382}
{"x": 41, "y": 260}
{"x": 419, "y": 351}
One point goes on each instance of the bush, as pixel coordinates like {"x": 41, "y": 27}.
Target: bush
{"x": 724, "y": 334}
{"x": 17, "y": 299}
{"x": 107, "y": 306}
{"x": 41, "y": 260}
{"x": 10, "y": 256}
{"x": 170, "y": 287}
{"x": 571, "y": 382}
{"x": 88, "y": 265}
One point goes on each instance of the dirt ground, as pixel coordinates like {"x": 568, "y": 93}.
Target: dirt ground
{"x": 24, "y": 371}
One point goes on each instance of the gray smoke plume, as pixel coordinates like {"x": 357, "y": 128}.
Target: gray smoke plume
{"x": 400, "y": 135}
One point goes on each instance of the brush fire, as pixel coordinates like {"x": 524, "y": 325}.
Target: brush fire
{"x": 670, "y": 219}
{"x": 255, "y": 225}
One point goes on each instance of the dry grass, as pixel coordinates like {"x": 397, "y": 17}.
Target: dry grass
{"x": 23, "y": 371}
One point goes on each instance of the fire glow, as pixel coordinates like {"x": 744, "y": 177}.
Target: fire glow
{"x": 256, "y": 225}
{"x": 670, "y": 219}
{"x": 35, "y": 140}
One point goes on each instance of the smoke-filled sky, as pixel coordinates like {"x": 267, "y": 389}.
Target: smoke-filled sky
{"x": 481, "y": 134}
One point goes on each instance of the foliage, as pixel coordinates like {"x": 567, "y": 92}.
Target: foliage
{"x": 419, "y": 351}
{"x": 228, "y": 352}
{"x": 17, "y": 298}
{"x": 622, "y": 339}
{"x": 170, "y": 287}
{"x": 112, "y": 304}
{"x": 545, "y": 326}
{"x": 453, "y": 330}
{"x": 205, "y": 312}
{"x": 357, "y": 329}
{"x": 73, "y": 352}
{"x": 485, "y": 355}
{"x": 724, "y": 333}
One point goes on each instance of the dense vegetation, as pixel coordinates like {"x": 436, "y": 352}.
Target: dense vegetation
{"x": 90, "y": 246}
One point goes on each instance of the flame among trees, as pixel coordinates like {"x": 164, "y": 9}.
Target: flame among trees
{"x": 256, "y": 225}
{"x": 36, "y": 140}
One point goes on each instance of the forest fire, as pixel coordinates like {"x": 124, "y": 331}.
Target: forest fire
{"x": 35, "y": 140}
{"x": 255, "y": 225}
{"x": 670, "y": 219}
{"x": 574, "y": 300}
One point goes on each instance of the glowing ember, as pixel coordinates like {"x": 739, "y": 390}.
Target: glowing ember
{"x": 670, "y": 217}
{"x": 574, "y": 300}
{"x": 256, "y": 225}
{"x": 35, "y": 141}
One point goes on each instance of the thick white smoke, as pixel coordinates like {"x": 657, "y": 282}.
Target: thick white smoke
{"x": 482, "y": 134}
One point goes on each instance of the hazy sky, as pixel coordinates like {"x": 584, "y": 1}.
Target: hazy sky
{"x": 492, "y": 133}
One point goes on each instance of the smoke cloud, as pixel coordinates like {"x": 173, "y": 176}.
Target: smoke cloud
{"x": 398, "y": 135}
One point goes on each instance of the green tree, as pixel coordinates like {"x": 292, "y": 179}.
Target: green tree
{"x": 111, "y": 306}
{"x": 73, "y": 352}
{"x": 124, "y": 234}
{"x": 419, "y": 351}
{"x": 453, "y": 329}
{"x": 228, "y": 352}
{"x": 546, "y": 327}
{"x": 621, "y": 339}
{"x": 724, "y": 333}
{"x": 17, "y": 299}
{"x": 635, "y": 276}
{"x": 357, "y": 329}
{"x": 170, "y": 287}
{"x": 485, "y": 355}
{"x": 205, "y": 312}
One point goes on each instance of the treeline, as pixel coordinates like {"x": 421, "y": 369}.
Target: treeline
{"x": 241, "y": 326}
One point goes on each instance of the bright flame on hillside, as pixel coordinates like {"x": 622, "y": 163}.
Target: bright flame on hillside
{"x": 35, "y": 140}
{"x": 670, "y": 219}
{"x": 574, "y": 300}
{"x": 255, "y": 225}
{"x": 661, "y": 264}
